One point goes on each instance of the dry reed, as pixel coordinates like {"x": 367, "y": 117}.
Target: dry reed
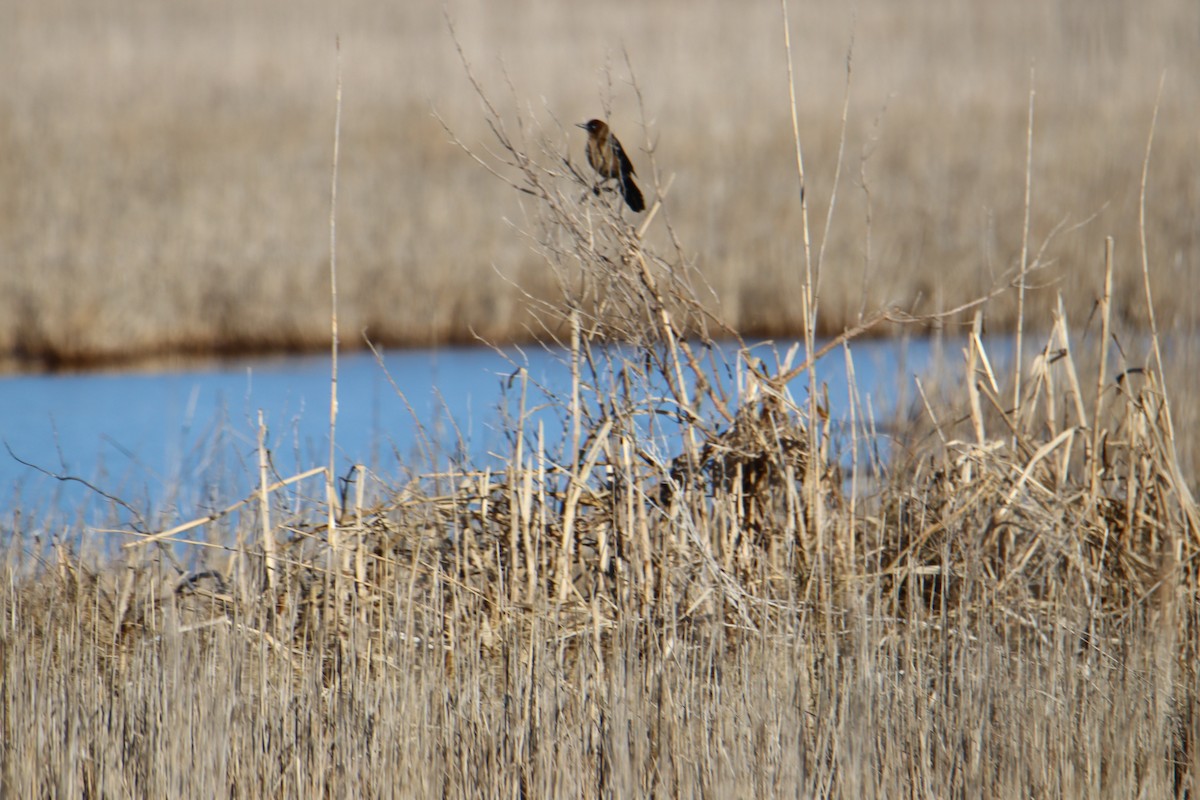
{"x": 682, "y": 599}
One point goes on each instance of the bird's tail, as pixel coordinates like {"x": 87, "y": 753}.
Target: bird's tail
{"x": 632, "y": 194}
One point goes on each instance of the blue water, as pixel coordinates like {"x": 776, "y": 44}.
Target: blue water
{"x": 180, "y": 443}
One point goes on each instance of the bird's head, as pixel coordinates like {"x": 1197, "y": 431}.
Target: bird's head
{"x": 592, "y": 125}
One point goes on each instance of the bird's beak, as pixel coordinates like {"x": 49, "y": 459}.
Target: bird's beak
{"x": 581, "y": 125}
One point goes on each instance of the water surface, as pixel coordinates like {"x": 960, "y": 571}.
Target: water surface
{"x": 185, "y": 440}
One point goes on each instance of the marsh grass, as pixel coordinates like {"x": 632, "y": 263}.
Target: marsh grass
{"x": 1013, "y": 613}
{"x": 703, "y": 608}
{"x": 167, "y": 167}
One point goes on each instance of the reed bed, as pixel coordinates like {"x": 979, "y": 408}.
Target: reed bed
{"x": 167, "y": 167}
{"x": 691, "y": 595}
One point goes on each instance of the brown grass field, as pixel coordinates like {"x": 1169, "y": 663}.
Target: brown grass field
{"x": 998, "y": 596}
{"x": 167, "y": 168}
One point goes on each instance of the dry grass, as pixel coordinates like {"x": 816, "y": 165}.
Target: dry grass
{"x": 1008, "y": 615}
{"x": 690, "y": 597}
{"x": 167, "y": 167}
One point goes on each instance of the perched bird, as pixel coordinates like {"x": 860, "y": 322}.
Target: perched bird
{"x": 608, "y": 158}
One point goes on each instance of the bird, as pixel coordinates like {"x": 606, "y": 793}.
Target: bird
{"x": 607, "y": 157}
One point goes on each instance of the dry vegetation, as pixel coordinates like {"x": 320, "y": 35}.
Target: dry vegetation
{"x": 1010, "y": 611}
{"x": 166, "y": 166}
{"x": 693, "y": 595}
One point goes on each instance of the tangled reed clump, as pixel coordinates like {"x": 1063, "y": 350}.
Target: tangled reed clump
{"x": 1067, "y": 507}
